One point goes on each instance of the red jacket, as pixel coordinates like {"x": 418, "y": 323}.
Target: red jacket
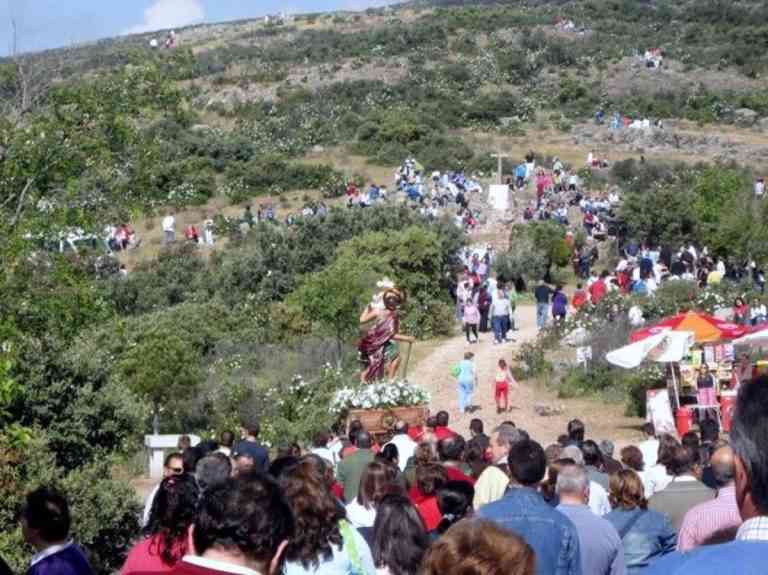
{"x": 430, "y": 513}
{"x": 579, "y": 298}
{"x": 597, "y": 291}
{"x": 456, "y": 474}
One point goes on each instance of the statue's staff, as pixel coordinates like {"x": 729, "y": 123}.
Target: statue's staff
{"x": 407, "y": 359}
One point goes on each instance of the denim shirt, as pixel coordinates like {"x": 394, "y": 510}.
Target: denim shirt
{"x": 651, "y": 537}
{"x": 551, "y": 534}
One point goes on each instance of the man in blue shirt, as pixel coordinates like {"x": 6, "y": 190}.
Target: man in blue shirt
{"x": 45, "y": 523}
{"x": 249, "y": 445}
{"x": 602, "y": 552}
{"x": 523, "y": 510}
{"x": 748, "y": 554}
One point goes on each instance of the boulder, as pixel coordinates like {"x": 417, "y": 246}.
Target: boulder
{"x": 762, "y": 124}
{"x": 744, "y": 117}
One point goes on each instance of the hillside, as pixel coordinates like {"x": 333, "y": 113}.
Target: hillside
{"x": 100, "y": 342}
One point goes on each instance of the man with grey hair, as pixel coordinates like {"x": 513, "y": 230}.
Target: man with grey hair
{"x": 213, "y": 470}
{"x": 714, "y": 521}
{"x": 602, "y": 552}
{"x": 610, "y": 465}
{"x": 598, "y": 496}
{"x": 494, "y": 479}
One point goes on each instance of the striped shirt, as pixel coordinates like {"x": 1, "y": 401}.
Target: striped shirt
{"x": 714, "y": 521}
{"x": 755, "y": 529}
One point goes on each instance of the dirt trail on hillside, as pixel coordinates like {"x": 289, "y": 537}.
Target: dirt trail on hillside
{"x": 603, "y": 421}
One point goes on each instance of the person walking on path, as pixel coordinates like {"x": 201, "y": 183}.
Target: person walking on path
{"x": 542, "y": 293}
{"x": 501, "y": 312}
{"x": 471, "y": 319}
{"x": 502, "y": 381}
{"x": 559, "y": 305}
{"x": 467, "y": 376}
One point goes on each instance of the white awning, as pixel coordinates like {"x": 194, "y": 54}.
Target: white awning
{"x": 665, "y": 347}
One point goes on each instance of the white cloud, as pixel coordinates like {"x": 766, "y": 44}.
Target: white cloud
{"x": 169, "y": 14}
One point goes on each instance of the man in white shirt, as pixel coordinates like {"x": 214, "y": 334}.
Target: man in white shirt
{"x": 169, "y": 228}
{"x": 649, "y": 447}
{"x": 759, "y": 188}
{"x": 405, "y": 445}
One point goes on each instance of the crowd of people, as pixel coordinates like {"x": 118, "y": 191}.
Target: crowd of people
{"x": 425, "y": 500}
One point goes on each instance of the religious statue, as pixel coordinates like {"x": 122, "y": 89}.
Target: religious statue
{"x": 379, "y": 351}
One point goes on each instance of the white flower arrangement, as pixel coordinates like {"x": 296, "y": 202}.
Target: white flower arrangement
{"x": 379, "y": 396}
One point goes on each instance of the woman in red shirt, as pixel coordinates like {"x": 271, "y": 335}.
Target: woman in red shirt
{"x": 430, "y": 478}
{"x": 579, "y": 297}
{"x": 165, "y": 542}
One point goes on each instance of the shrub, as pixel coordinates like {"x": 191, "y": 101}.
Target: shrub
{"x": 104, "y": 511}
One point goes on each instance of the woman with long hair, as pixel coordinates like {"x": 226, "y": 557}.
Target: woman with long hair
{"x": 325, "y": 542}
{"x": 376, "y": 480}
{"x": 645, "y": 534}
{"x": 172, "y": 513}
{"x": 399, "y": 537}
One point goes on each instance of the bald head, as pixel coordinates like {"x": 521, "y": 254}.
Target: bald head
{"x": 723, "y": 466}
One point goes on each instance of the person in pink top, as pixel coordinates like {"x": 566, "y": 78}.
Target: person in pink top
{"x": 166, "y": 534}
{"x": 471, "y": 318}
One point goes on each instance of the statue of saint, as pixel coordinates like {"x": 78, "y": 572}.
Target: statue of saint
{"x": 379, "y": 351}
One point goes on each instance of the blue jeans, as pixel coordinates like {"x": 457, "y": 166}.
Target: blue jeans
{"x": 498, "y": 322}
{"x": 465, "y": 395}
{"x": 542, "y": 309}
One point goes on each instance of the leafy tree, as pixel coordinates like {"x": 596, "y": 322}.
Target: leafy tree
{"x": 161, "y": 367}
{"x": 335, "y": 296}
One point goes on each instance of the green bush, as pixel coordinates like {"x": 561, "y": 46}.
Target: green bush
{"x": 533, "y": 360}
{"x": 104, "y": 510}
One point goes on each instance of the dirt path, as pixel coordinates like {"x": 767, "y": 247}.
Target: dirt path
{"x": 603, "y": 421}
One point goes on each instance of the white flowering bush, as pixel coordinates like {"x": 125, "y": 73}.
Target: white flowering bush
{"x": 379, "y": 395}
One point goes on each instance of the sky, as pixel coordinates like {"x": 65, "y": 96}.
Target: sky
{"x": 43, "y": 24}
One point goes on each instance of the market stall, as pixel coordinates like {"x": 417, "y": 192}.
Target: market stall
{"x": 705, "y": 341}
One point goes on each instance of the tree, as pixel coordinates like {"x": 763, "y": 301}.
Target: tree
{"x": 334, "y": 297}
{"x": 162, "y": 367}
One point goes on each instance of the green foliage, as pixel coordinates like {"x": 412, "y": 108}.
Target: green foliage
{"x": 334, "y": 297}
{"x": 272, "y": 174}
{"x": 161, "y": 367}
{"x": 533, "y": 360}
{"x": 104, "y": 511}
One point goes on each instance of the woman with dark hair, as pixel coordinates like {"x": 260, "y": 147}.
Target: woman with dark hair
{"x": 399, "y": 537}
{"x": 645, "y": 534}
{"x": 325, "y": 542}
{"x": 454, "y": 499}
{"x": 173, "y": 511}
{"x": 429, "y": 479}
{"x": 389, "y": 454}
{"x": 375, "y": 481}
{"x": 548, "y": 486}
{"x": 657, "y": 477}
